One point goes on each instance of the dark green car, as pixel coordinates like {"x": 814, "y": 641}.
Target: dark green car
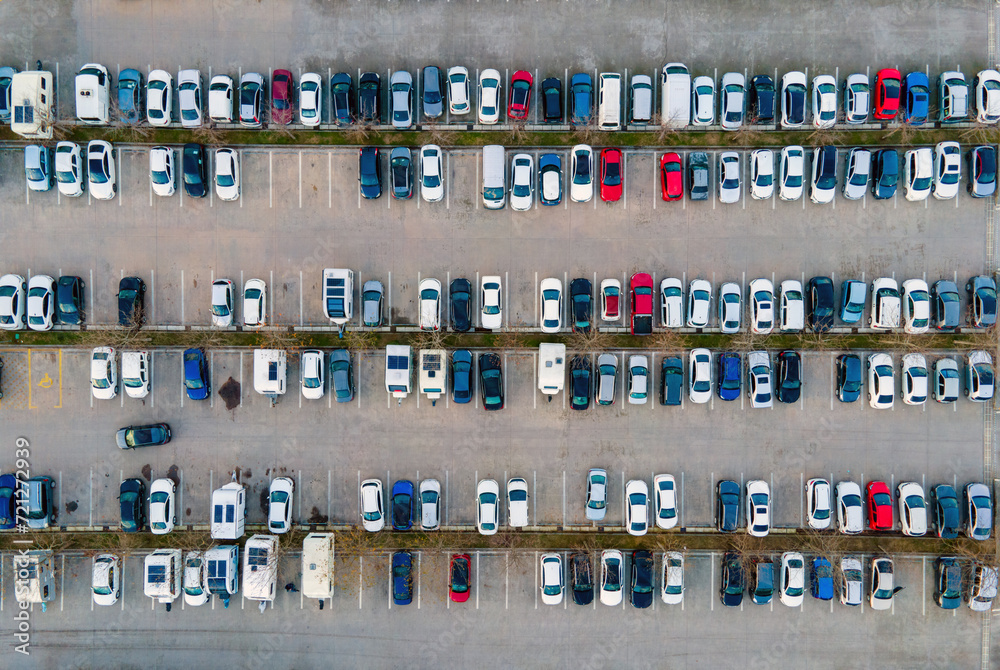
{"x": 133, "y": 437}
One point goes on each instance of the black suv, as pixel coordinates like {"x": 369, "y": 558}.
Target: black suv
{"x": 195, "y": 171}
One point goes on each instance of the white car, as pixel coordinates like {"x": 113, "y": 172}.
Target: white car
{"x": 947, "y": 170}
{"x": 729, "y": 177}
{"x": 162, "y": 509}
{"x": 914, "y": 380}
{"x": 13, "y": 302}
{"x": 372, "y": 513}
{"x": 279, "y": 508}
{"x": 791, "y": 172}
{"x": 597, "y": 494}
{"x": 759, "y": 386}
{"x": 517, "y": 502}
{"x": 823, "y": 187}
{"x": 103, "y": 373}
{"x": 522, "y": 168}
{"x": 758, "y": 508}
{"x": 101, "y": 170}
{"x": 227, "y": 174}
{"x": 430, "y": 504}
{"x": 491, "y": 299}
{"x": 946, "y": 380}
{"x": 700, "y": 375}
{"x": 729, "y": 307}
{"x": 857, "y": 98}
{"x": 196, "y": 591}
{"x": 699, "y": 303}
{"x": 552, "y": 579}
{"x": 881, "y": 384}
{"x": 851, "y": 584}
{"x": 859, "y": 168}
{"x": 431, "y": 173}
{"x": 760, "y": 295}
{"x": 793, "y": 88}
{"x": 912, "y": 508}
{"x": 732, "y": 100}
{"x": 792, "y": 579}
{"x": 581, "y": 175}
{"x": 135, "y": 373}
{"x": 254, "y": 303}
{"x": 792, "y": 306}
{"x": 761, "y": 174}
{"x": 429, "y": 292}
{"x": 672, "y": 578}
{"x": 671, "y": 302}
{"x": 636, "y": 506}
{"x": 850, "y": 509}
{"x": 222, "y": 303}
{"x": 487, "y": 507}
{"x": 824, "y": 101}
{"x": 818, "y": 504}
{"x": 159, "y": 97}
{"x": 885, "y": 305}
{"x": 189, "y": 98}
{"x": 882, "y": 583}
{"x": 220, "y": 99}
{"x": 979, "y": 376}
{"x": 918, "y": 173}
{"x": 916, "y": 306}
{"x": 311, "y": 367}
{"x": 69, "y": 169}
{"x": 161, "y": 171}
{"x": 665, "y": 501}
{"x": 489, "y": 97}
{"x": 638, "y": 379}
{"x": 41, "y": 302}
{"x": 611, "y": 299}
{"x": 612, "y": 576}
{"x": 702, "y": 101}
{"x": 458, "y": 90}
{"x": 987, "y": 96}
{"x": 106, "y": 573}
{"x": 310, "y": 99}
{"x": 552, "y": 305}
{"x": 983, "y": 588}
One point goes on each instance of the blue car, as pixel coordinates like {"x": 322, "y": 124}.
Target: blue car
{"x": 848, "y": 377}
{"x": 852, "y": 300}
{"x": 8, "y": 501}
{"x": 916, "y": 96}
{"x": 402, "y": 505}
{"x": 402, "y": 578}
{"x": 821, "y": 578}
{"x": 196, "y": 374}
{"x": 130, "y": 96}
{"x": 582, "y": 87}
{"x": 461, "y": 376}
{"x": 728, "y": 383}
{"x": 370, "y": 172}
{"x": 550, "y": 179}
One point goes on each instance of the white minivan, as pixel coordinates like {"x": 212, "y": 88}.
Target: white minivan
{"x": 494, "y": 185}
{"x": 609, "y": 107}
{"x": 675, "y": 95}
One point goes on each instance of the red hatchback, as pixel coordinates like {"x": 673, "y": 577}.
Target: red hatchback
{"x": 520, "y": 95}
{"x": 282, "y": 97}
{"x": 879, "y": 506}
{"x": 671, "y": 177}
{"x": 611, "y": 175}
{"x": 460, "y": 580}
{"x": 886, "y": 97}
{"x": 641, "y": 294}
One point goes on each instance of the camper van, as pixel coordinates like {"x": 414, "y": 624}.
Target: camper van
{"x": 675, "y": 92}
{"x": 260, "y": 569}
{"x": 317, "y": 565}
{"x": 494, "y": 173}
{"x": 397, "y": 370}
{"x": 162, "y": 570}
{"x": 223, "y": 564}
{"x": 229, "y": 511}
{"x": 35, "y": 577}
{"x": 32, "y": 96}
{"x": 269, "y": 372}
{"x": 433, "y": 373}
{"x": 338, "y": 296}
{"x": 551, "y": 368}
{"x": 609, "y": 106}
{"x": 93, "y": 85}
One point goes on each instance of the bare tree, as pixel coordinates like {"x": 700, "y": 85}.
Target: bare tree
{"x": 591, "y": 341}
{"x": 510, "y": 338}
{"x": 210, "y": 135}
{"x": 825, "y": 137}
{"x": 129, "y": 336}
{"x": 358, "y": 133}
{"x": 358, "y": 341}
{"x": 517, "y": 134}
{"x": 748, "y": 548}
{"x": 980, "y": 133}
{"x": 901, "y": 133}
{"x": 669, "y": 339}
{"x": 747, "y": 135}
{"x": 124, "y": 131}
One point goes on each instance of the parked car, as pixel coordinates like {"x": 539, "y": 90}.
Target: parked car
{"x": 912, "y": 508}
{"x": 946, "y": 380}
{"x": 947, "y": 516}
{"x": 850, "y": 512}
{"x": 761, "y": 104}
{"x": 612, "y": 577}
{"x": 671, "y": 380}
{"x": 824, "y": 101}
{"x": 551, "y": 572}
{"x": 552, "y": 100}
{"x": 432, "y": 91}
{"x": 982, "y": 295}
{"x": 280, "y": 500}
{"x": 612, "y": 175}
{"x": 402, "y": 578}
{"x": 135, "y": 437}
{"x": 732, "y": 583}
{"x": 370, "y": 98}
{"x": 818, "y": 503}
{"x": 789, "y": 383}
{"x": 370, "y": 172}
{"x": 400, "y": 173}
{"x": 582, "y": 92}
{"x": 162, "y": 506}
{"x": 848, "y": 377}
{"x": 462, "y": 387}
{"x": 887, "y": 94}
{"x": 402, "y": 505}
{"x": 979, "y": 376}
{"x": 310, "y": 99}
{"x": 101, "y": 173}
{"x": 882, "y": 589}
{"x": 550, "y": 179}
{"x": 916, "y": 96}
{"x": 460, "y": 578}
{"x": 729, "y": 376}
{"x": 730, "y": 185}
{"x": 189, "y": 97}
{"x": 196, "y": 382}
{"x": 881, "y": 381}
{"x": 758, "y": 503}
{"x": 858, "y": 172}
{"x": 879, "y": 501}
{"x": 491, "y": 386}
{"x": 642, "y": 579}
{"x": 458, "y": 90}
{"x": 372, "y": 514}
{"x": 520, "y": 95}
{"x": 982, "y": 163}
{"x": 727, "y": 506}
{"x": 759, "y": 379}
{"x": 253, "y": 90}
{"x": 194, "y": 168}
{"x": 671, "y": 177}
{"x": 227, "y": 174}
{"x": 857, "y": 98}
{"x": 132, "y": 505}
{"x": 947, "y": 170}
{"x": 401, "y": 108}
{"x": 607, "y": 379}
{"x": 792, "y": 579}
{"x": 698, "y": 175}
{"x": 978, "y": 503}
{"x": 793, "y": 100}
{"x": 821, "y": 579}
{"x": 69, "y": 169}
{"x": 581, "y": 578}
{"x": 850, "y": 581}
{"x": 131, "y": 300}
{"x": 489, "y": 97}
{"x": 581, "y": 187}
{"x": 791, "y": 173}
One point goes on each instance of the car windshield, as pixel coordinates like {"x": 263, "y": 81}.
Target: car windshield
{"x": 248, "y": 93}
{"x": 891, "y": 87}
{"x": 224, "y": 179}
{"x": 97, "y": 171}
{"x": 460, "y": 576}
{"x": 612, "y": 175}
{"x": 519, "y": 92}
{"x": 611, "y": 581}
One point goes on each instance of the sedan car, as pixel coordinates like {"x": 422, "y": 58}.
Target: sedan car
{"x": 979, "y": 376}
{"x": 759, "y": 379}
{"x": 432, "y": 91}
{"x": 729, "y": 307}
{"x": 848, "y": 377}
{"x": 821, "y": 576}
{"x": 489, "y": 97}
{"x": 978, "y": 504}
{"x": 730, "y": 187}
{"x": 886, "y": 303}
{"x": 431, "y": 173}
{"x": 947, "y": 519}
{"x": 946, "y": 380}
{"x": 254, "y": 303}
{"x": 792, "y": 579}
{"x": 458, "y": 90}
{"x": 789, "y": 383}
{"x": 220, "y": 98}
{"x": 227, "y": 174}
{"x": 135, "y": 437}
{"x": 881, "y": 382}
{"x": 106, "y": 579}
{"x": 916, "y": 306}
{"x": 732, "y": 100}
{"x": 189, "y": 97}
{"x": 818, "y": 503}
{"x": 665, "y": 501}
{"x": 699, "y": 301}
{"x": 370, "y": 172}
{"x": 460, "y": 304}
{"x": 857, "y": 98}
{"x": 253, "y": 90}
{"x": 612, "y": 175}
{"x": 552, "y": 100}
{"x": 196, "y": 382}
{"x": 761, "y": 174}
{"x": 947, "y": 170}
{"x": 882, "y": 589}
{"x": 636, "y": 507}
{"x": 161, "y": 171}
{"x": 672, "y": 578}
{"x": 550, "y": 179}
{"x": 612, "y": 577}
{"x": 582, "y": 93}
{"x": 194, "y": 169}
{"x": 823, "y": 187}
{"x": 581, "y": 304}
{"x": 698, "y": 175}
{"x": 38, "y": 167}
{"x": 887, "y": 94}
{"x": 101, "y": 179}
{"x": 551, "y": 573}
{"x": 430, "y": 504}
{"x": 885, "y": 174}
{"x": 912, "y": 508}
{"x": 41, "y": 302}
{"x": 461, "y": 376}
{"x": 311, "y": 370}
{"x": 342, "y": 99}
{"x": 760, "y": 295}
{"x": 850, "y": 581}
{"x": 672, "y": 302}
{"x": 517, "y": 502}
{"x": 401, "y": 89}
{"x": 581, "y": 578}
{"x": 491, "y": 301}
{"x": 159, "y": 97}
{"x": 850, "y": 513}
{"x": 103, "y": 373}
{"x": 853, "y": 297}
{"x": 983, "y": 588}
{"x": 491, "y": 385}
{"x": 858, "y": 172}
{"x": 6, "y": 79}
{"x": 916, "y": 96}
{"x": 581, "y": 187}
{"x": 702, "y": 101}
{"x": 223, "y": 304}
{"x": 727, "y": 506}
{"x": 762, "y": 579}
{"x": 402, "y": 578}
{"x": 607, "y": 379}
{"x": 370, "y": 98}
{"x": 730, "y": 373}
{"x": 487, "y": 507}
{"x": 522, "y": 188}
{"x": 700, "y": 375}
{"x": 793, "y": 100}
{"x": 642, "y": 579}
{"x": 597, "y": 494}
{"x": 758, "y": 503}
{"x": 733, "y": 581}
{"x": 131, "y": 502}
{"x": 918, "y": 174}
{"x": 162, "y": 508}
{"x": 520, "y": 95}
{"x": 982, "y": 294}
{"x": 791, "y": 173}
{"x": 310, "y": 99}
{"x": 671, "y": 177}
{"x": 611, "y": 290}
{"x": 761, "y": 104}
{"x": 551, "y": 305}
{"x": 824, "y": 101}
{"x": 131, "y": 300}
{"x": 914, "y": 379}
{"x": 948, "y": 588}
{"x": 69, "y": 169}
{"x": 986, "y": 85}
{"x": 460, "y": 578}
{"x": 982, "y": 171}
{"x": 402, "y": 504}
{"x": 400, "y": 173}
{"x": 580, "y": 383}
{"x": 819, "y": 303}
{"x": 372, "y": 514}
{"x": 429, "y": 292}
{"x": 279, "y": 505}
{"x": 638, "y": 379}
{"x": 879, "y": 501}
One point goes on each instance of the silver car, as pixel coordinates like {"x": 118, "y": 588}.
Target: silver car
{"x": 371, "y": 303}
{"x": 979, "y": 511}
{"x": 851, "y": 585}
{"x": 597, "y": 494}
{"x": 729, "y": 307}
{"x": 607, "y": 372}
{"x": 729, "y": 177}
{"x": 430, "y": 504}
{"x": 859, "y": 167}
{"x": 401, "y": 88}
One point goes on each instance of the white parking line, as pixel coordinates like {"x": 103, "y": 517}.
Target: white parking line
{"x": 270, "y": 178}
{"x": 300, "y": 180}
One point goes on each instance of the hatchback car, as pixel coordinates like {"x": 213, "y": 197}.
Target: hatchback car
{"x": 310, "y": 99}
{"x": 982, "y": 295}
{"x": 918, "y": 173}
{"x": 672, "y": 302}
{"x": 761, "y": 100}
{"x": 106, "y": 579}
{"x": 823, "y": 187}
{"x": 220, "y": 98}
{"x": 850, "y": 513}
{"x": 882, "y": 589}
{"x": 458, "y": 90}
{"x": 916, "y": 303}
{"x": 136, "y": 437}
{"x": 858, "y": 172}
{"x": 400, "y": 173}
{"x": 881, "y": 381}
{"x": 760, "y": 296}
{"x": 370, "y": 172}
{"x": 159, "y": 97}
{"x": 103, "y": 373}
{"x": 793, "y": 100}
{"x": 430, "y": 504}
{"x": 887, "y": 94}
{"x": 759, "y": 379}
{"x": 6, "y": 79}
{"x": 636, "y": 507}
{"x": 982, "y": 163}
{"x": 401, "y": 90}
{"x": 194, "y": 168}
{"x": 612, "y": 175}
{"x": 460, "y": 578}
{"x": 611, "y": 290}
{"x": 402, "y": 505}
{"x": 916, "y": 96}
{"x": 581, "y": 304}
{"x": 948, "y": 578}
{"x": 946, "y": 380}
{"x": 912, "y": 508}
{"x": 729, "y": 375}
{"x": 819, "y": 303}
{"x": 581, "y": 187}
{"x": 672, "y": 578}
{"x": 699, "y": 302}
{"x": 432, "y": 91}
{"x": 489, "y": 97}
{"x": 597, "y": 494}
{"x": 582, "y": 93}
{"x": 947, "y": 170}
{"x": 223, "y": 304}
{"x": 978, "y": 505}
{"x": 429, "y": 292}
{"x": 372, "y": 514}
{"x": 189, "y": 97}
{"x": 788, "y": 386}
{"x": 162, "y": 507}
{"x": 491, "y": 386}
{"x": 729, "y": 307}
{"x": 979, "y": 376}
{"x": 38, "y": 167}
{"x": 730, "y": 187}
{"x": 580, "y": 383}
{"x": 848, "y": 377}
{"x": 9, "y": 489}
{"x": 69, "y": 300}
{"x": 519, "y": 98}
{"x": 607, "y": 379}
{"x": 698, "y": 175}
{"x": 461, "y": 376}
{"x": 491, "y": 301}
{"x": 947, "y": 516}
{"x": 879, "y": 502}
{"x": 41, "y": 302}
{"x": 227, "y": 174}
{"x": 702, "y": 101}
{"x": 913, "y": 385}
{"x": 69, "y": 169}
{"x": 253, "y": 90}
{"x": 818, "y": 503}
{"x": 761, "y": 174}
{"x": 13, "y": 302}
{"x": 727, "y": 506}
{"x": 638, "y": 379}
{"x": 821, "y": 579}
{"x": 460, "y": 304}
{"x": 758, "y": 504}
{"x": 130, "y": 95}
{"x": 671, "y": 380}
{"x": 522, "y": 187}
{"x": 850, "y": 581}
{"x": 671, "y": 177}
{"x": 857, "y": 98}
{"x": 402, "y": 578}
{"x": 885, "y": 304}
{"x": 732, "y": 100}
{"x": 161, "y": 171}
{"x": 552, "y": 100}
{"x": 551, "y": 573}
{"x": 986, "y": 86}
{"x": 642, "y": 579}
{"x": 983, "y": 588}
{"x": 550, "y": 179}
{"x": 700, "y": 375}
{"x": 791, "y": 579}
{"x": 101, "y": 174}
{"x": 517, "y": 502}
{"x": 342, "y": 99}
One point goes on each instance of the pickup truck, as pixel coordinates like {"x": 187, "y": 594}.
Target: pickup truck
{"x": 641, "y": 294}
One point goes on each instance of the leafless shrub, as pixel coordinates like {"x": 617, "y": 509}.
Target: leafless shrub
{"x": 589, "y": 341}
{"x": 358, "y": 341}
{"x": 822, "y": 137}
{"x": 358, "y": 133}
{"x": 746, "y": 340}
{"x": 978, "y": 339}
{"x": 121, "y": 131}
{"x": 510, "y": 338}
{"x": 428, "y": 339}
{"x": 816, "y": 341}
{"x": 130, "y": 336}
{"x": 668, "y": 340}
{"x": 980, "y": 133}
{"x": 280, "y": 337}
{"x": 665, "y": 135}
{"x": 746, "y": 135}
{"x": 518, "y": 133}
{"x": 209, "y": 135}
{"x": 749, "y": 549}
{"x": 586, "y": 133}
{"x": 901, "y": 133}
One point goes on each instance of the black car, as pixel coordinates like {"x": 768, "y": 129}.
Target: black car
{"x": 491, "y": 381}
{"x": 370, "y": 172}
{"x": 848, "y": 377}
{"x": 731, "y": 585}
{"x": 552, "y": 100}
{"x": 948, "y": 593}
{"x": 581, "y": 304}
{"x": 761, "y": 107}
{"x": 69, "y": 300}
{"x": 642, "y": 579}
{"x": 579, "y": 382}
{"x": 885, "y": 173}
{"x": 432, "y": 85}
{"x": 370, "y": 98}
{"x": 195, "y": 170}
{"x": 824, "y": 169}
{"x": 460, "y": 300}
{"x": 820, "y": 303}
{"x": 789, "y": 381}
{"x": 762, "y": 582}
{"x": 341, "y": 98}
{"x": 671, "y": 380}
{"x": 947, "y": 514}
{"x": 698, "y": 175}
{"x": 131, "y": 497}
{"x": 727, "y": 506}
{"x": 131, "y": 299}
{"x": 133, "y": 437}
{"x": 582, "y": 578}
{"x": 795, "y": 104}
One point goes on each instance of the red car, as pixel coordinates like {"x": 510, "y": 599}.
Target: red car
{"x": 879, "y": 506}
{"x": 671, "y": 177}
{"x": 282, "y": 97}
{"x": 611, "y": 175}
{"x": 460, "y": 580}
{"x": 886, "y": 98}
{"x": 520, "y": 95}
{"x": 641, "y": 294}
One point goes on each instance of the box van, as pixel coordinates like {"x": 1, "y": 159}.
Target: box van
{"x": 433, "y": 373}
{"x": 223, "y": 564}
{"x": 640, "y": 101}
{"x": 551, "y": 368}
{"x": 397, "y": 370}
{"x": 675, "y": 92}
{"x": 35, "y": 577}
{"x": 229, "y": 511}
{"x": 92, "y": 94}
{"x": 260, "y": 569}
{"x": 162, "y": 570}
{"x": 338, "y": 296}
{"x": 269, "y": 372}
{"x": 317, "y": 565}
{"x": 609, "y": 107}
{"x": 494, "y": 187}
{"x": 31, "y": 97}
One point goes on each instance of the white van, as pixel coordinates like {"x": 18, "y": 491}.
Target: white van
{"x": 269, "y": 372}
{"x": 35, "y": 577}
{"x": 260, "y": 569}
{"x": 32, "y": 95}
{"x": 317, "y": 566}
{"x": 494, "y": 174}
{"x": 338, "y": 296}
{"x": 640, "y": 100}
{"x": 551, "y": 368}
{"x": 397, "y": 370}
{"x": 223, "y": 564}
{"x": 609, "y": 107}
{"x": 93, "y": 94}
{"x": 433, "y": 373}
{"x": 162, "y": 570}
{"x": 675, "y": 92}
{"x": 229, "y": 511}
